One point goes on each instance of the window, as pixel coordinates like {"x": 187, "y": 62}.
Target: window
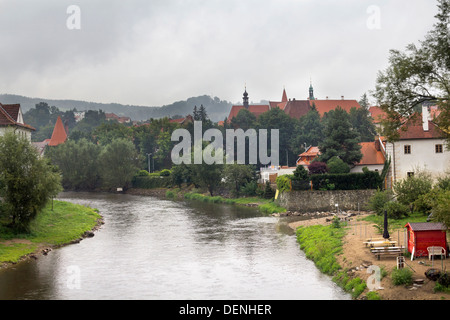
{"x": 410, "y": 174}
{"x": 438, "y": 148}
{"x": 407, "y": 149}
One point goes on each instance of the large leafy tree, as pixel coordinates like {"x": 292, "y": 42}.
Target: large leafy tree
{"x": 119, "y": 161}
{"x": 27, "y": 181}
{"x": 309, "y": 132}
{"x": 276, "y": 118}
{"x": 78, "y": 162}
{"x": 419, "y": 75}
{"x": 341, "y": 139}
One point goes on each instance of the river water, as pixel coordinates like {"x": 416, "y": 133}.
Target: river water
{"x": 156, "y": 249}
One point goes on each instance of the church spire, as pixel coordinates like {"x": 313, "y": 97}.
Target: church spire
{"x": 311, "y": 91}
{"x": 245, "y": 98}
{"x": 284, "y": 97}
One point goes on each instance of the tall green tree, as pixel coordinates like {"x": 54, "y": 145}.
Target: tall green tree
{"x": 119, "y": 161}
{"x": 244, "y": 120}
{"x": 361, "y": 121}
{"x": 308, "y": 132}
{"x": 340, "y": 138}
{"x": 276, "y": 118}
{"x": 78, "y": 162}
{"x": 419, "y": 75}
{"x": 27, "y": 181}
{"x": 236, "y": 176}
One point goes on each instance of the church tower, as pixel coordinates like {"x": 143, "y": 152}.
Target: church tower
{"x": 245, "y": 98}
{"x": 311, "y": 92}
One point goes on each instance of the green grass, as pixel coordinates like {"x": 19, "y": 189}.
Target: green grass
{"x": 265, "y": 205}
{"x": 67, "y": 222}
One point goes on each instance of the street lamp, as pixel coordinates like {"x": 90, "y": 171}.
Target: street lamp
{"x": 149, "y": 167}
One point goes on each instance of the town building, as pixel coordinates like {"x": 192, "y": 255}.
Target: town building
{"x": 114, "y": 117}
{"x": 293, "y": 107}
{"x": 11, "y": 119}
{"x": 421, "y": 146}
{"x": 59, "y": 136}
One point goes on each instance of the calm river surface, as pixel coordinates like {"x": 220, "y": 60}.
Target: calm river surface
{"x": 150, "y": 248}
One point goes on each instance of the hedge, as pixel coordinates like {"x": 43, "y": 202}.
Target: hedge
{"x": 347, "y": 181}
{"x": 150, "y": 182}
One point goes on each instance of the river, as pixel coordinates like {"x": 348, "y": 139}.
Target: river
{"x": 157, "y": 249}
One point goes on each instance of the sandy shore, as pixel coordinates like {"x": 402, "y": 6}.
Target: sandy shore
{"x": 356, "y": 254}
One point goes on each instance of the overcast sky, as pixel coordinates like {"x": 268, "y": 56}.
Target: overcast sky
{"x": 156, "y": 52}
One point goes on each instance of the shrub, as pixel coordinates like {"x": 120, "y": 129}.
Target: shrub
{"x": 379, "y": 200}
{"x": 347, "y": 181}
{"x": 142, "y": 173}
{"x": 284, "y": 183}
{"x": 250, "y": 189}
{"x": 317, "y": 167}
{"x": 268, "y": 192}
{"x": 165, "y": 173}
{"x": 410, "y": 189}
{"x": 337, "y": 165}
{"x": 401, "y": 277}
{"x": 373, "y": 295}
{"x": 300, "y": 173}
{"x": 396, "y": 210}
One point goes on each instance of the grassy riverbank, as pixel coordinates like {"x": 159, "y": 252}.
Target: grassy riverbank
{"x": 63, "y": 224}
{"x": 322, "y": 244}
{"x": 264, "y": 205}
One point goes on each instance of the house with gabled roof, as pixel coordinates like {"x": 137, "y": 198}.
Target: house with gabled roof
{"x": 421, "y": 146}
{"x": 11, "y": 118}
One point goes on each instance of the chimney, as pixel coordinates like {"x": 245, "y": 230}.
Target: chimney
{"x": 425, "y": 118}
{"x": 342, "y": 97}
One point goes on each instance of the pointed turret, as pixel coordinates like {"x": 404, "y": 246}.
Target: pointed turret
{"x": 284, "y": 97}
{"x": 245, "y": 98}
{"x": 311, "y": 92}
{"x": 59, "y": 135}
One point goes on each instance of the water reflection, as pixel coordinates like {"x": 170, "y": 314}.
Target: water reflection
{"x": 159, "y": 249}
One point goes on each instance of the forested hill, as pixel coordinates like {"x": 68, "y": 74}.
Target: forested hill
{"x": 216, "y": 109}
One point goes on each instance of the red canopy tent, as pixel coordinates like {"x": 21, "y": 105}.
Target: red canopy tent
{"x": 422, "y": 235}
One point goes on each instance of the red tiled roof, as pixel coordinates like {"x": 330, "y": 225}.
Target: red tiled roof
{"x": 59, "y": 135}
{"x": 256, "y": 109}
{"x": 371, "y": 153}
{"x": 377, "y": 114}
{"x": 413, "y": 129}
{"x": 9, "y": 116}
{"x": 297, "y": 108}
{"x": 324, "y": 106}
{"x": 309, "y": 155}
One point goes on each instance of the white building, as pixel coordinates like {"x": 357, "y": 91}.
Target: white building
{"x": 11, "y": 119}
{"x": 421, "y": 146}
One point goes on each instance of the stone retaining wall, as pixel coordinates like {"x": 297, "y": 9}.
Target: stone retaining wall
{"x": 312, "y": 201}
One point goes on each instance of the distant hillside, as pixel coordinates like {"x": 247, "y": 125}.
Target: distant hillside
{"x": 217, "y": 109}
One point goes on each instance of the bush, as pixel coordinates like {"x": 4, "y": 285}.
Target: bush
{"x": 401, "y": 277}
{"x": 142, "y": 173}
{"x": 410, "y": 189}
{"x": 268, "y": 192}
{"x": 250, "y": 189}
{"x": 300, "y": 173}
{"x": 336, "y": 165}
{"x": 317, "y": 167}
{"x": 165, "y": 173}
{"x": 284, "y": 183}
{"x": 396, "y": 210}
{"x": 347, "y": 181}
{"x": 379, "y": 200}
{"x": 150, "y": 182}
